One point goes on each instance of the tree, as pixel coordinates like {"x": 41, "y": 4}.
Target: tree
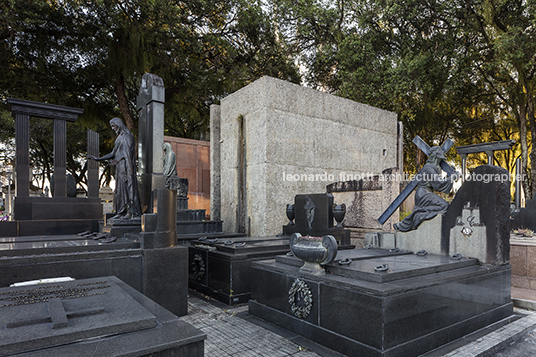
{"x": 506, "y": 60}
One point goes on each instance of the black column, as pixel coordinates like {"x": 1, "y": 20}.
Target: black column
{"x": 60, "y": 158}
{"x": 22, "y": 153}
{"x": 92, "y": 165}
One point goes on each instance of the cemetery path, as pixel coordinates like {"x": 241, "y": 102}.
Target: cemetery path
{"x": 231, "y": 331}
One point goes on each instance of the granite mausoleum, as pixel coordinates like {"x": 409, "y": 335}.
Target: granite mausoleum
{"x": 272, "y": 140}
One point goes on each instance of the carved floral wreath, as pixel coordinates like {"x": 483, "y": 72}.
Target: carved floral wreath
{"x": 198, "y": 266}
{"x": 300, "y": 291}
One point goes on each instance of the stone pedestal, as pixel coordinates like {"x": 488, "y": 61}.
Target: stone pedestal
{"x": 118, "y": 228}
{"x": 416, "y": 304}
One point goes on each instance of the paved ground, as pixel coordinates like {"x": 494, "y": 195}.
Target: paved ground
{"x": 231, "y": 331}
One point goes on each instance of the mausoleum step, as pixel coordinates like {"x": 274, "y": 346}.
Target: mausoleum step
{"x": 191, "y": 215}
{"x": 189, "y": 227}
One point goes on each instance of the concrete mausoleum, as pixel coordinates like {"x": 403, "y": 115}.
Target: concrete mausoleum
{"x": 273, "y": 139}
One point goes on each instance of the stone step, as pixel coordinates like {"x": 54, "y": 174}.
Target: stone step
{"x": 191, "y": 215}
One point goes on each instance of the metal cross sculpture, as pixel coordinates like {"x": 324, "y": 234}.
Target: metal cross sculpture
{"x": 447, "y": 145}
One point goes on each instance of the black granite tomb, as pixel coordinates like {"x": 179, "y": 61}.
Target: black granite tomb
{"x": 221, "y": 267}
{"x": 313, "y": 215}
{"x": 160, "y": 274}
{"x": 98, "y": 317}
{"x": 381, "y": 303}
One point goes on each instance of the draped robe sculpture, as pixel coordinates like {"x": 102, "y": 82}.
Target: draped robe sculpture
{"x": 123, "y": 156}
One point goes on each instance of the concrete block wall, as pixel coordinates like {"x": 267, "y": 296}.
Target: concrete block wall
{"x": 273, "y": 131}
{"x": 523, "y": 261}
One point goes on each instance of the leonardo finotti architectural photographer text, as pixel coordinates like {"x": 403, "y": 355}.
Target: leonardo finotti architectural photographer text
{"x": 344, "y": 176}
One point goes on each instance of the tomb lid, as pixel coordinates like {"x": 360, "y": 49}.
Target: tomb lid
{"x": 46, "y": 315}
{"x": 400, "y": 266}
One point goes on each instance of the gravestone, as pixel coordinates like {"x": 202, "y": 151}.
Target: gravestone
{"x": 221, "y": 267}
{"x": 476, "y": 223}
{"x": 314, "y": 216}
{"x": 150, "y": 106}
{"x": 380, "y": 302}
{"x": 76, "y": 318}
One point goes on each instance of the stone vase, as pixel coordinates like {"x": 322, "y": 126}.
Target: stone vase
{"x": 339, "y": 211}
{"x": 290, "y": 214}
{"x": 313, "y": 251}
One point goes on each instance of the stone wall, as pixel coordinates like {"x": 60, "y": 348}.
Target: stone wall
{"x": 273, "y": 132}
{"x": 366, "y": 199}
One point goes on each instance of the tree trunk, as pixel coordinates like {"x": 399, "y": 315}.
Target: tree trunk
{"x": 532, "y": 121}
{"x": 123, "y": 102}
{"x": 522, "y": 122}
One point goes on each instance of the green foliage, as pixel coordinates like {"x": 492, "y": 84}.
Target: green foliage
{"x": 449, "y": 68}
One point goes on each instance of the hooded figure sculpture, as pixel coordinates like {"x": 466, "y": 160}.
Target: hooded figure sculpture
{"x": 427, "y": 203}
{"x": 126, "y": 198}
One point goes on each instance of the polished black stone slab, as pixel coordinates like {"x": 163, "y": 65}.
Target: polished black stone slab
{"x": 353, "y": 254}
{"x": 45, "y": 238}
{"x": 400, "y": 267}
{"x": 57, "y": 208}
{"x": 109, "y": 318}
{"x": 407, "y": 315}
{"x": 221, "y": 267}
{"x": 192, "y": 227}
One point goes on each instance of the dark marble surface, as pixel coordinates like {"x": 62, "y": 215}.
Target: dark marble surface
{"x": 19, "y": 247}
{"x": 165, "y": 277}
{"x": 406, "y": 316}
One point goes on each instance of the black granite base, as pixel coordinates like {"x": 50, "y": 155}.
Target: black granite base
{"x": 419, "y": 304}
{"x": 43, "y": 208}
{"x": 121, "y": 227}
{"x": 221, "y": 268}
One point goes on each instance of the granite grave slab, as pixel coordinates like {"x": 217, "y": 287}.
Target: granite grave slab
{"x": 84, "y": 316}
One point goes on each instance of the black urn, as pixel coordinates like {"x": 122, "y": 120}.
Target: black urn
{"x": 339, "y": 211}
{"x": 290, "y": 214}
